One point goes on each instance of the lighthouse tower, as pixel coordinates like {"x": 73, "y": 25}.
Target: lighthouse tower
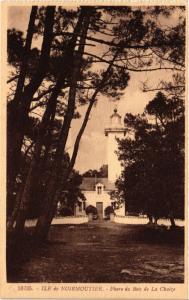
{"x": 114, "y": 131}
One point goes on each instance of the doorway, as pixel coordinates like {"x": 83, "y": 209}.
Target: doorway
{"x": 99, "y": 206}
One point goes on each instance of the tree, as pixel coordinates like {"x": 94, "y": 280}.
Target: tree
{"x": 50, "y": 110}
{"x": 102, "y": 172}
{"x": 18, "y": 108}
{"x": 72, "y": 195}
{"x": 152, "y": 181}
{"x": 129, "y": 41}
{"x": 91, "y": 210}
{"x": 108, "y": 210}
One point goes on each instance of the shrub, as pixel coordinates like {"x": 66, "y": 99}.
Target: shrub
{"x": 66, "y": 212}
{"x": 91, "y": 210}
{"x": 108, "y": 210}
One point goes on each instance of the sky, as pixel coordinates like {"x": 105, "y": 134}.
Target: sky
{"x": 93, "y": 146}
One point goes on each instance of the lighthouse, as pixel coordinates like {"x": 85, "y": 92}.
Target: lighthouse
{"x": 114, "y": 131}
{"x": 98, "y": 190}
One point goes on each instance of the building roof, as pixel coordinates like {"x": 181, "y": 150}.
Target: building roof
{"x": 89, "y": 183}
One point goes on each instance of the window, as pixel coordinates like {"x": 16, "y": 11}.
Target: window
{"x": 80, "y": 207}
{"x": 84, "y": 205}
{"x": 99, "y": 190}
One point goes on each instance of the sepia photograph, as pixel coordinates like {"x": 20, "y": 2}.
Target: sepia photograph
{"x": 95, "y": 146}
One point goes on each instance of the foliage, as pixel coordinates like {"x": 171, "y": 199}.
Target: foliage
{"x": 69, "y": 194}
{"x": 108, "y": 210}
{"x": 118, "y": 198}
{"x": 15, "y": 42}
{"x": 101, "y": 173}
{"x": 152, "y": 181}
{"x": 72, "y": 194}
{"x": 65, "y": 211}
{"x": 64, "y": 72}
{"x": 91, "y": 210}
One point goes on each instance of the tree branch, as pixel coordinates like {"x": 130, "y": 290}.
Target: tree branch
{"x": 167, "y": 59}
{"x": 123, "y": 45}
{"x": 127, "y": 68}
{"x": 12, "y": 79}
{"x": 42, "y": 94}
{"x": 38, "y": 77}
{"x": 86, "y": 118}
{"x": 145, "y": 90}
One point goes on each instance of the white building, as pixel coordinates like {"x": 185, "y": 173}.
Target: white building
{"x": 97, "y": 190}
{"x": 113, "y": 132}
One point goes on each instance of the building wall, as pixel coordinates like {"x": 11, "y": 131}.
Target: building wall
{"x": 92, "y": 198}
{"x": 121, "y": 211}
{"x": 80, "y": 210}
{"x": 113, "y": 132}
{"x": 114, "y": 166}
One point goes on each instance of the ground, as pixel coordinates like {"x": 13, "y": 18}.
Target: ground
{"x": 103, "y": 252}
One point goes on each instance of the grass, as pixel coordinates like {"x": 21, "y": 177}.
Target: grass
{"x": 100, "y": 252}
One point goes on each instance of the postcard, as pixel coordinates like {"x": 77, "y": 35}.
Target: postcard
{"x": 94, "y": 149}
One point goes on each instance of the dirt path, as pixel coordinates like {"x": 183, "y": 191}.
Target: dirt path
{"x": 103, "y": 252}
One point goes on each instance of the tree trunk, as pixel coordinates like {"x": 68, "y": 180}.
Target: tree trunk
{"x": 14, "y": 137}
{"x": 24, "y": 201}
{"x": 150, "y": 219}
{"x": 45, "y": 219}
{"x": 27, "y": 48}
{"x": 25, "y": 197}
{"x": 12, "y": 218}
{"x": 48, "y": 118}
{"x": 13, "y": 165}
{"x": 18, "y": 108}
{"x": 171, "y": 216}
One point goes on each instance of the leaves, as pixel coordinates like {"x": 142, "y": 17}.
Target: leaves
{"x": 15, "y": 45}
{"x": 153, "y": 159}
